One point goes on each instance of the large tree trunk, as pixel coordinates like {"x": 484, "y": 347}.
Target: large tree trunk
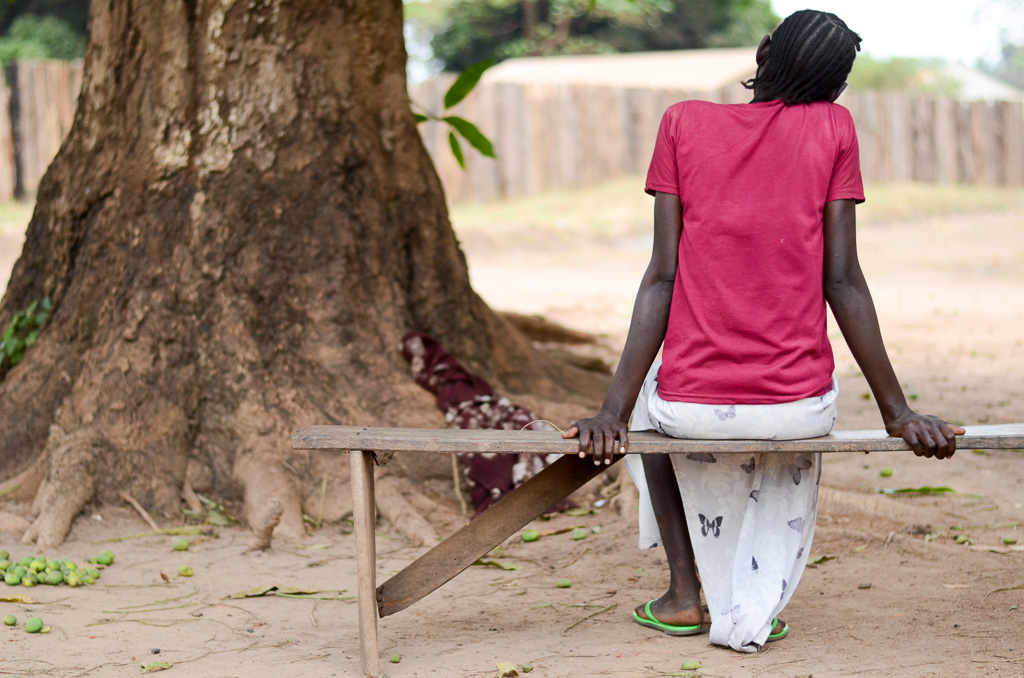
{"x": 236, "y": 233}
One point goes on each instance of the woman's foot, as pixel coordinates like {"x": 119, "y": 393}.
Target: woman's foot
{"x": 675, "y": 618}
{"x": 779, "y": 630}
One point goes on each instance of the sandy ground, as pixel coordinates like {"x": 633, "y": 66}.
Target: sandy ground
{"x": 950, "y": 294}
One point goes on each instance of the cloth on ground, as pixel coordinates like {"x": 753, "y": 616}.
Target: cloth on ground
{"x": 468, "y": 401}
{"x": 750, "y": 516}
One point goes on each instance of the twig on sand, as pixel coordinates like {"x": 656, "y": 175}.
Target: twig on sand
{"x": 1005, "y": 588}
{"x": 312, "y": 617}
{"x": 589, "y": 616}
{"x": 1005, "y": 660}
{"x": 141, "y": 511}
{"x": 10, "y": 490}
{"x": 184, "y": 530}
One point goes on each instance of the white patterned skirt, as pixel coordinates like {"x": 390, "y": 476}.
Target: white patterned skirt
{"x": 750, "y": 516}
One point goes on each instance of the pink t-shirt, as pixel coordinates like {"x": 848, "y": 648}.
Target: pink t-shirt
{"x": 747, "y": 322}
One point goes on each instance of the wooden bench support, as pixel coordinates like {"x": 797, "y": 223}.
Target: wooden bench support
{"x": 364, "y": 519}
{"x": 519, "y": 507}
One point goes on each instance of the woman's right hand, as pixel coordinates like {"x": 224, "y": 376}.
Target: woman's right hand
{"x": 601, "y": 436}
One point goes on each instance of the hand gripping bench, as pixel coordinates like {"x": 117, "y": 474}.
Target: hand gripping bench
{"x": 369, "y": 445}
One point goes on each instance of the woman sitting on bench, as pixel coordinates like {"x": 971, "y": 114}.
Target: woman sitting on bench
{"x": 754, "y": 230}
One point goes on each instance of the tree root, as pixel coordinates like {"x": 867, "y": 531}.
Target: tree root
{"x": 391, "y": 499}
{"x": 69, "y": 484}
{"x": 264, "y": 480}
{"x": 25, "y": 485}
{"x": 12, "y": 523}
{"x": 263, "y": 534}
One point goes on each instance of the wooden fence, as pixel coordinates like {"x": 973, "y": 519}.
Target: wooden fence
{"x": 37, "y": 106}
{"x": 562, "y": 136}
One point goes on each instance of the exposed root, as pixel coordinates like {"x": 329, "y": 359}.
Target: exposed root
{"x": 141, "y": 511}
{"x": 263, "y": 534}
{"x": 190, "y": 496}
{"x": 12, "y": 523}
{"x": 24, "y": 486}
{"x": 393, "y": 505}
{"x": 68, "y": 486}
{"x": 264, "y": 480}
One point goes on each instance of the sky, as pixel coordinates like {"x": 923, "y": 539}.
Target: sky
{"x": 957, "y": 30}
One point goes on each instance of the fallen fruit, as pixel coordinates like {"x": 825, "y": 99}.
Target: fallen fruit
{"x": 55, "y": 578}
{"x": 185, "y": 570}
{"x": 579, "y": 533}
{"x": 34, "y": 625}
{"x": 182, "y": 544}
{"x": 1009, "y": 540}
{"x": 12, "y": 579}
{"x": 105, "y": 558}
{"x": 563, "y": 583}
{"x": 395, "y": 658}
{"x": 691, "y": 665}
{"x": 531, "y": 535}
{"x": 885, "y": 472}
{"x": 10, "y": 620}
{"x": 527, "y": 667}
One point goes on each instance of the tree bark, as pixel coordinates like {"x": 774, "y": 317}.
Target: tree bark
{"x": 239, "y": 228}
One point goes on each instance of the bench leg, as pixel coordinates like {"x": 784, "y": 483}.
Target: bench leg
{"x": 364, "y": 523}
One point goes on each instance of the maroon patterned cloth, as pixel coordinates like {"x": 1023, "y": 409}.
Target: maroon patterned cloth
{"x": 469, "y": 402}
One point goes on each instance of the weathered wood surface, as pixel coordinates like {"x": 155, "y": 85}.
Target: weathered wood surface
{"x": 999, "y": 436}
{"x": 499, "y": 522}
{"x": 364, "y": 521}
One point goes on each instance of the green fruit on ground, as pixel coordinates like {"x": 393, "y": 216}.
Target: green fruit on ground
{"x": 74, "y": 580}
{"x": 55, "y": 578}
{"x": 531, "y": 535}
{"x": 88, "y": 581}
{"x": 579, "y": 533}
{"x": 34, "y": 625}
{"x": 10, "y": 620}
{"x": 885, "y": 472}
{"x": 91, "y": 571}
{"x": 105, "y": 558}
{"x": 68, "y": 564}
{"x": 182, "y": 544}
{"x": 1009, "y": 540}
{"x": 4, "y": 555}
{"x": 37, "y": 565}
{"x": 4, "y": 564}
{"x": 396, "y": 658}
{"x": 12, "y": 579}
{"x": 19, "y": 570}
{"x": 185, "y": 571}
{"x": 27, "y": 560}
{"x": 691, "y": 665}
{"x": 527, "y": 667}
{"x": 563, "y": 583}
{"x": 29, "y": 580}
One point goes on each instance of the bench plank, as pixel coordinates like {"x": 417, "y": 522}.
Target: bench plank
{"x": 383, "y": 439}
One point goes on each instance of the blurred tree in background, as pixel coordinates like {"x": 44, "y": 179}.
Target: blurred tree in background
{"x": 921, "y": 77}
{"x": 474, "y": 30}
{"x": 43, "y": 29}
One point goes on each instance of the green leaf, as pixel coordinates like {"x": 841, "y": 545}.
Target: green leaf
{"x": 156, "y": 666}
{"x": 916, "y": 490}
{"x": 419, "y": 117}
{"x": 456, "y": 149}
{"x": 31, "y": 308}
{"x": 31, "y": 338}
{"x": 471, "y": 134}
{"x": 465, "y": 83}
{"x": 47, "y": 304}
{"x": 500, "y": 564}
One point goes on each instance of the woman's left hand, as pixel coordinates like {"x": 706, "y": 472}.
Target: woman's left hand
{"x": 927, "y": 435}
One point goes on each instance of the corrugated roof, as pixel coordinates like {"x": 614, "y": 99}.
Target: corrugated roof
{"x": 694, "y": 70}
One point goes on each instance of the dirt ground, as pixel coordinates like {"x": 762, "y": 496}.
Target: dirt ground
{"x": 888, "y": 602}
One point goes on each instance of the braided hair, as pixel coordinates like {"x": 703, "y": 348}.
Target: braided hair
{"x": 811, "y": 55}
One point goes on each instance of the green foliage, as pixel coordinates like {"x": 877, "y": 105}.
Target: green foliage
{"x": 22, "y": 332}
{"x": 73, "y": 12}
{"x": 32, "y": 37}
{"x": 923, "y": 77}
{"x": 462, "y": 86}
{"x": 478, "y": 29}
{"x": 1011, "y": 66}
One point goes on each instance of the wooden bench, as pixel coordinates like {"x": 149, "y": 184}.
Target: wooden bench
{"x": 369, "y": 445}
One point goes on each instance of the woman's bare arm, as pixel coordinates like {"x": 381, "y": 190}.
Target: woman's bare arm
{"x": 847, "y": 294}
{"x": 598, "y": 434}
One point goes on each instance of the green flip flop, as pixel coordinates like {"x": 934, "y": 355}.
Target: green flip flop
{"x": 667, "y": 629}
{"x": 780, "y": 634}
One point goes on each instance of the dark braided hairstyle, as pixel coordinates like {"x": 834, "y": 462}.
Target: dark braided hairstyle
{"x": 811, "y": 55}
